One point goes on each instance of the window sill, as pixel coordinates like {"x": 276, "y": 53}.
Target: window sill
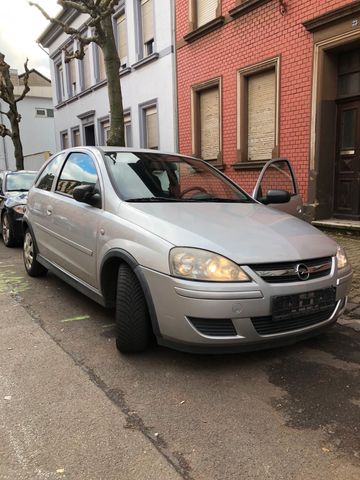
{"x": 124, "y": 71}
{"x": 145, "y": 61}
{"x": 246, "y": 6}
{"x": 255, "y": 165}
{"x": 204, "y": 29}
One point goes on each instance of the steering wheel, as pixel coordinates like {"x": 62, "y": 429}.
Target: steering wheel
{"x": 187, "y": 190}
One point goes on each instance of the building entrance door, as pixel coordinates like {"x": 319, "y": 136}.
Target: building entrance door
{"x": 347, "y": 162}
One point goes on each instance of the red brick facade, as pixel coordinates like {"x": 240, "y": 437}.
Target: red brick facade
{"x": 258, "y": 35}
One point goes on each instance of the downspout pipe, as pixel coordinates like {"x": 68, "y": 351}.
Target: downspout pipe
{"x": 174, "y": 76}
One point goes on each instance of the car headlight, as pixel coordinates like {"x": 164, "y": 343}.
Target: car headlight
{"x": 20, "y": 209}
{"x": 341, "y": 258}
{"x": 196, "y": 264}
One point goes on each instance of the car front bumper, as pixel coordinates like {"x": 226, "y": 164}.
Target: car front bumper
{"x": 16, "y": 223}
{"x": 180, "y": 305}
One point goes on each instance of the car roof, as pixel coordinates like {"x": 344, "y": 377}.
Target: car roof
{"x": 106, "y": 149}
{"x": 19, "y": 171}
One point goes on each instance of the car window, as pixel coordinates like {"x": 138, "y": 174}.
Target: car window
{"x": 19, "y": 181}
{"x": 1, "y": 181}
{"x": 79, "y": 169}
{"x": 47, "y": 176}
{"x": 278, "y": 176}
{"x": 142, "y": 177}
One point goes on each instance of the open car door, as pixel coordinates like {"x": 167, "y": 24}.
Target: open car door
{"x": 277, "y": 177}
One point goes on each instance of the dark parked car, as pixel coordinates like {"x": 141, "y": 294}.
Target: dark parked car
{"x": 14, "y": 187}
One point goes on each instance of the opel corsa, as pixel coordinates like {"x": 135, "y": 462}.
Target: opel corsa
{"x": 182, "y": 252}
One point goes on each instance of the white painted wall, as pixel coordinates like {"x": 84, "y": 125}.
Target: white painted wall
{"x": 37, "y": 134}
{"x": 155, "y": 80}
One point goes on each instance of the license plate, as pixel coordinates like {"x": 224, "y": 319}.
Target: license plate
{"x": 293, "y": 306}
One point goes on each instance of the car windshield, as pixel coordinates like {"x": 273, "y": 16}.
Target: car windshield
{"x": 19, "y": 181}
{"x": 154, "y": 177}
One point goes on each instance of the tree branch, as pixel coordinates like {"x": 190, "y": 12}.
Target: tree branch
{"x": 4, "y": 131}
{"x": 64, "y": 26}
{"x": 75, "y": 5}
{"x": 26, "y": 83}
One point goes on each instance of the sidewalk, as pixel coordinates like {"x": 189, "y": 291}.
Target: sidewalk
{"x": 54, "y": 421}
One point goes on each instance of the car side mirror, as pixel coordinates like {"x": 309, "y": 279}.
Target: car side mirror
{"x": 276, "y": 196}
{"x": 86, "y": 194}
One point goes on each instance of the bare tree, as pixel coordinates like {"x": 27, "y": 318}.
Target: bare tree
{"x": 7, "y": 95}
{"x": 100, "y": 21}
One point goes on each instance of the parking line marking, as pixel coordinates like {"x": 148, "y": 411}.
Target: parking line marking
{"x": 76, "y": 319}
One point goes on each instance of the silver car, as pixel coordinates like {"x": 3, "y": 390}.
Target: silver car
{"x": 183, "y": 253}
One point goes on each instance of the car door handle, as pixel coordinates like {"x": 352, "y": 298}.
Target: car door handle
{"x": 49, "y": 211}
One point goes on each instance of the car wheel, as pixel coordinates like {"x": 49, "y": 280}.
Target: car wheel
{"x": 7, "y": 231}
{"x": 32, "y": 266}
{"x": 132, "y": 316}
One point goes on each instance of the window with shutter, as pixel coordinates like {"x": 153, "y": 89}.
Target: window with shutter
{"x": 206, "y": 10}
{"x": 72, "y": 76}
{"x": 128, "y": 131}
{"x": 102, "y": 72}
{"x": 86, "y": 68}
{"x": 121, "y": 39}
{"x": 261, "y": 115}
{"x": 209, "y": 123}
{"x": 151, "y": 134}
{"x": 76, "y": 138}
{"x": 61, "y": 82}
{"x": 64, "y": 140}
{"x": 147, "y": 25}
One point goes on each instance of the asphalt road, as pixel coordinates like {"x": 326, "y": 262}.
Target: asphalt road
{"x": 289, "y": 413}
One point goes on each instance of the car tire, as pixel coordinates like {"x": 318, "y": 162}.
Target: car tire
{"x": 7, "y": 232}
{"x": 132, "y": 315}
{"x": 32, "y": 266}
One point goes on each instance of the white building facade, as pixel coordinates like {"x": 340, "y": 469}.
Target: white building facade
{"x": 144, "y": 32}
{"x": 37, "y": 127}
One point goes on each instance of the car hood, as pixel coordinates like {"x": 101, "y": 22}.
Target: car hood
{"x": 245, "y": 233}
{"x": 16, "y": 198}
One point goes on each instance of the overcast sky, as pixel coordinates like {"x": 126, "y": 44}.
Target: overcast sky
{"x": 20, "y": 26}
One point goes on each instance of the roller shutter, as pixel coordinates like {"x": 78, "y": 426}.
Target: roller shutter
{"x": 261, "y": 115}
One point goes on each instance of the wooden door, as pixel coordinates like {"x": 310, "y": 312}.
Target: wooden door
{"x": 347, "y": 162}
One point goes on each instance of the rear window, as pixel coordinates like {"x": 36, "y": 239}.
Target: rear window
{"x": 19, "y": 182}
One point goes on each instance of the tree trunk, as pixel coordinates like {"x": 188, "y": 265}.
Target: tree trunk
{"x": 18, "y": 149}
{"x": 112, "y": 67}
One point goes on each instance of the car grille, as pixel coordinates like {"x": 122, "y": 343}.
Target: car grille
{"x": 288, "y": 271}
{"x": 214, "y": 327}
{"x": 267, "y": 326}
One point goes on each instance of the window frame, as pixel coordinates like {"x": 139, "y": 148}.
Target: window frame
{"x": 60, "y": 81}
{"x": 121, "y": 11}
{"x": 71, "y": 91}
{"x": 243, "y": 76}
{"x": 52, "y": 159}
{"x": 73, "y": 130}
{"x": 196, "y": 90}
{"x": 193, "y": 20}
{"x": 139, "y": 32}
{"x": 143, "y": 107}
{"x": 62, "y": 133}
{"x": 63, "y": 164}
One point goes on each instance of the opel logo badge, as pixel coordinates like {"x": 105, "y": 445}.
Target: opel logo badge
{"x": 302, "y": 271}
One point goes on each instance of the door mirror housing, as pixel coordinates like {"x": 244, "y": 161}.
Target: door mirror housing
{"x": 276, "y": 196}
{"x": 87, "y": 194}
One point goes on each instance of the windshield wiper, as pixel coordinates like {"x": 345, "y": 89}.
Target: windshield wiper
{"x": 219, "y": 200}
{"x": 19, "y": 190}
{"x": 153, "y": 199}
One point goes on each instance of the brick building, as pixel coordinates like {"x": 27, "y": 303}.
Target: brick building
{"x": 259, "y": 79}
